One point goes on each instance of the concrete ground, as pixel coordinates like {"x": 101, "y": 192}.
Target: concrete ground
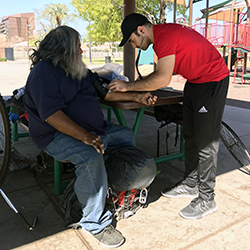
{"x": 156, "y": 227}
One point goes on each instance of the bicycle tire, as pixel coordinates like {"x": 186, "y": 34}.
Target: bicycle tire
{"x": 5, "y": 141}
{"x": 235, "y": 146}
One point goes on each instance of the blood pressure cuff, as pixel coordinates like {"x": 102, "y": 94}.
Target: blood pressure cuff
{"x": 101, "y": 85}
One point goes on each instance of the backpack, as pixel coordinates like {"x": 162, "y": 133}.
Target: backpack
{"x": 70, "y": 205}
{"x": 130, "y": 171}
{"x": 121, "y": 204}
{"x": 129, "y": 168}
{"x": 167, "y": 114}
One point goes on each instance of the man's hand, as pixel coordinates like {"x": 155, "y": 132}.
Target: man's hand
{"x": 146, "y": 98}
{"x": 64, "y": 124}
{"x": 158, "y": 79}
{"x": 95, "y": 141}
{"x": 117, "y": 85}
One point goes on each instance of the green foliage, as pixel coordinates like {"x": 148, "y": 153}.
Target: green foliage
{"x": 32, "y": 41}
{"x": 53, "y": 15}
{"x": 2, "y": 59}
{"x": 151, "y": 9}
{"x": 156, "y": 10}
{"x": 105, "y": 17}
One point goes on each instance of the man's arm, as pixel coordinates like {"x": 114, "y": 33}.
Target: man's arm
{"x": 101, "y": 84}
{"x": 64, "y": 124}
{"x": 156, "y": 80}
{"x": 145, "y": 98}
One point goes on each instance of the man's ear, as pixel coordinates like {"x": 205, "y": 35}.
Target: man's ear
{"x": 140, "y": 30}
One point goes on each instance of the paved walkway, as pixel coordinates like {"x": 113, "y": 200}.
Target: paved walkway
{"x": 157, "y": 227}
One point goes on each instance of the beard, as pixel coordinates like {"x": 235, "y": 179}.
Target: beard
{"x": 78, "y": 69}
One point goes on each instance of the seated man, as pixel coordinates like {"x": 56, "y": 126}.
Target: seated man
{"x": 66, "y": 121}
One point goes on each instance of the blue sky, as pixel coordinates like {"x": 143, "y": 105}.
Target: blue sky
{"x": 23, "y": 6}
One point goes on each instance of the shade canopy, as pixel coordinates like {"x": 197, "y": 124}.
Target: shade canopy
{"x": 180, "y": 2}
{"x": 222, "y": 11}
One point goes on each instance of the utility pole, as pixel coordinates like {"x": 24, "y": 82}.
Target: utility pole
{"x": 128, "y": 50}
{"x": 190, "y": 13}
{"x": 28, "y": 34}
{"x": 90, "y": 60}
{"x": 174, "y": 17}
{"x": 206, "y": 18}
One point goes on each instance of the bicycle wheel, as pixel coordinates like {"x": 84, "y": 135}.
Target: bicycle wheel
{"x": 5, "y": 141}
{"x": 235, "y": 146}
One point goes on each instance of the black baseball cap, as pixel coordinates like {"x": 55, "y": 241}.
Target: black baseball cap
{"x": 130, "y": 24}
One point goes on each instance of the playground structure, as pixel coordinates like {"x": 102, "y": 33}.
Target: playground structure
{"x": 230, "y": 30}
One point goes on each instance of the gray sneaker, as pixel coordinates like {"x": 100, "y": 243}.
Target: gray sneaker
{"x": 110, "y": 237}
{"x": 198, "y": 208}
{"x": 181, "y": 190}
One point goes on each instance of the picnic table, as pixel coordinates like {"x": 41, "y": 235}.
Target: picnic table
{"x": 164, "y": 97}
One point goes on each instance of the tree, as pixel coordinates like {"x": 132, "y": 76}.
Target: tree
{"x": 105, "y": 17}
{"x": 155, "y": 10}
{"x": 53, "y": 15}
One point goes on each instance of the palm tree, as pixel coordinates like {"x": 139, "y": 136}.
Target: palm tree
{"x": 53, "y": 15}
{"x": 59, "y": 12}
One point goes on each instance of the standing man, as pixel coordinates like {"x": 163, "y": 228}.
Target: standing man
{"x": 66, "y": 121}
{"x": 184, "y": 51}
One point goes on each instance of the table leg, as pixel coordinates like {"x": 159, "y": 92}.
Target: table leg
{"x": 138, "y": 119}
{"x": 120, "y": 117}
{"x": 15, "y": 134}
{"x": 109, "y": 110}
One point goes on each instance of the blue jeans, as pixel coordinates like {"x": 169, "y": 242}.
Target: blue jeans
{"x": 91, "y": 178}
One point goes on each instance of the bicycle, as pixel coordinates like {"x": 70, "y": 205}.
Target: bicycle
{"x": 5, "y": 141}
{"x": 5, "y": 154}
{"x": 235, "y": 146}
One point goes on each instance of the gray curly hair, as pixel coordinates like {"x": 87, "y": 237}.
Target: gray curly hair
{"x": 61, "y": 45}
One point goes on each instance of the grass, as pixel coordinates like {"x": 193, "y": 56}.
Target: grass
{"x": 101, "y": 61}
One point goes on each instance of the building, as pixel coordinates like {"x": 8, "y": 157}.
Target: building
{"x": 15, "y": 29}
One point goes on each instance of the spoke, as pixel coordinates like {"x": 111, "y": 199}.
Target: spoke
{"x": 5, "y": 140}
{"x": 234, "y": 145}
